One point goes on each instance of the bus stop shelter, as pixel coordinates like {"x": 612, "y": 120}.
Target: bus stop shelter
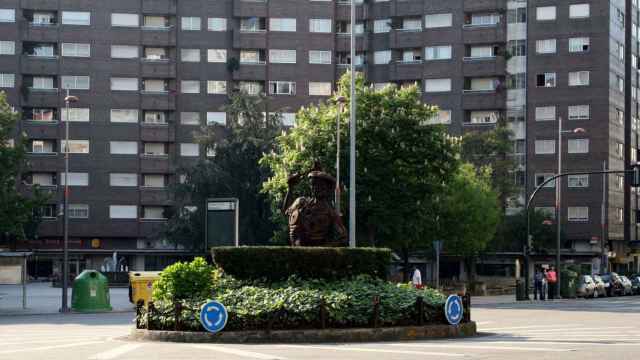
{"x": 13, "y": 271}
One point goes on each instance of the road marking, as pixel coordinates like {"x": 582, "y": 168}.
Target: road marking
{"x": 577, "y": 329}
{"x": 114, "y": 353}
{"x": 483, "y": 347}
{"x": 532, "y": 327}
{"x": 565, "y": 343}
{"x": 54, "y": 340}
{"x": 382, "y": 351}
{"x": 237, "y": 352}
{"x": 51, "y": 347}
{"x": 481, "y": 323}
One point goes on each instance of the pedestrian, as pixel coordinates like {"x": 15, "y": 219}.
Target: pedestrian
{"x": 552, "y": 279}
{"x": 538, "y": 278}
{"x": 416, "y": 278}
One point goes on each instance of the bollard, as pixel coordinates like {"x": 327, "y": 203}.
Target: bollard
{"x": 323, "y": 314}
{"x": 178, "y": 316}
{"x": 150, "y": 311}
{"x": 139, "y": 306}
{"x": 376, "y": 311}
{"x": 420, "y": 310}
{"x": 466, "y": 304}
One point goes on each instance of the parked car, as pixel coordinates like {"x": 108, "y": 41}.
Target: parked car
{"x": 627, "y": 286}
{"x": 586, "y": 286}
{"x": 600, "y": 289}
{"x": 613, "y": 284}
{"x": 635, "y": 284}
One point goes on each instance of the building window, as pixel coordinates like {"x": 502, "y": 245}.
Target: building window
{"x": 483, "y": 117}
{"x": 75, "y": 146}
{"x": 153, "y": 213}
{"x": 579, "y": 11}
{"x": 440, "y": 117}
{"x": 620, "y": 116}
{"x": 319, "y": 25}
{"x": 411, "y": 24}
{"x": 517, "y": 15}
{"x": 382, "y": 57}
{"x": 190, "y": 86}
{"x": 546, "y": 80}
{"x": 578, "y": 213}
{"x": 155, "y": 53}
{"x": 381, "y": 26}
{"x": 42, "y": 82}
{"x": 253, "y": 24}
{"x": 125, "y": 20}
{"x": 546, "y": 46}
{"x": 319, "y": 88}
{"x": 578, "y": 181}
{"x": 189, "y": 118}
{"x": 216, "y": 87}
{"x": 76, "y": 50}
{"x": 619, "y": 51}
{"x": 155, "y": 149}
{"x": 7, "y": 80}
{"x": 7, "y": 48}
{"x": 42, "y": 179}
{"x": 75, "y": 82}
{"x": 124, "y": 115}
{"x": 319, "y": 56}
{"x": 190, "y": 55}
{"x": 154, "y": 85}
{"x": 251, "y": 87}
{"x": 76, "y": 114}
{"x": 540, "y": 178}
{"x": 620, "y": 182}
{"x": 288, "y": 119}
{"x": 123, "y": 212}
{"x": 252, "y": 57}
{"x": 155, "y": 117}
{"x": 77, "y": 211}
{"x": 124, "y": 51}
{"x": 215, "y": 117}
{"x": 123, "y": 179}
{"x": 124, "y": 84}
{"x": 282, "y": 87}
{"x": 188, "y": 149}
{"x": 190, "y": 23}
{"x": 438, "y": 21}
{"x": 217, "y": 24}
{"x": 76, "y": 18}
{"x": 123, "y": 147}
{"x": 441, "y": 52}
{"x": 545, "y": 13}
{"x": 154, "y": 180}
{"x": 7, "y": 15}
{"x": 481, "y": 84}
{"x": 545, "y": 147}
{"x": 482, "y": 19}
{"x": 437, "y": 85}
{"x": 579, "y": 78}
{"x": 579, "y": 44}
{"x": 620, "y": 83}
{"x": 217, "y": 55}
{"x": 545, "y": 113}
{"x": 578, "y": 146}
{"x": 282, "y": 56}
{"x": 75, "y": 179}
{"x": 287, "y": 24}
{"x": 42, "y": 146}
{"x": 579, "y": 112}
{"x": 42, "y": 114}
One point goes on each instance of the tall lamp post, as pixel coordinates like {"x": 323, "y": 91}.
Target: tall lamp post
{"x": 65, "y": 247}
{"x": 558, "y": 198}
{"x": 340, "y": 101}
{"x": 352, "y": 133}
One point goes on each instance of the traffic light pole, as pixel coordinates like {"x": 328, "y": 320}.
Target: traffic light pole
{"x": 635, "y": 182}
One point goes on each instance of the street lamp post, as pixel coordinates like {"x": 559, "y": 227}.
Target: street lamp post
{"x": 65, "y": 247}
{"x": 340, "y": 100}
{"x": 352, "y": 133}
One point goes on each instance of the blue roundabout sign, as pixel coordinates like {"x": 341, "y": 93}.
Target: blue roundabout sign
{"x": 213, "y": 316}
{"x": 453, "y": 309}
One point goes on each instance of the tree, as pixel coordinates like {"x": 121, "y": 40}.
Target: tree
{"x": 543, "y": 232}
{"x": 402, "y": 163}
{"x": 19, "y": 215}
{"x": 230, "y": 170}
{"x": 469, "y": 214}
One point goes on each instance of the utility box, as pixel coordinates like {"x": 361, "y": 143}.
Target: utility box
{"x": 90, "y": 292}
{"x": 568, "y": 284}
{"x": 222, "y": 223}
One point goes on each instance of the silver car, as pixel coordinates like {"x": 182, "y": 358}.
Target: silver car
{"x": 586, "y": 286}
{"x": 627, "y": 285}
{"x": 601, "y": 288}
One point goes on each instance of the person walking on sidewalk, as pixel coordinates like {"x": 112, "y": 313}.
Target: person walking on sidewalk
{"x": 552, "y": 279}
{"x": 538, "y": 279}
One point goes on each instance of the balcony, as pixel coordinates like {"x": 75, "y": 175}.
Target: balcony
{"x": 42, "y": 5}
{"x": 250, "y": 72}
{"x": 406, "y": 8}
{"x": 484, "y": 5}
{"x": 159, "y": 37}
{"x": 250, "y": 8}
{"x": 161, "y": 7}
{"x": 489, "y": 66}
{"x": 164, "y": 68}
{"x": 155, "y": 164}
{"x": 157, "y": 133}
{"x": 35, "y": 97}
{"x": 154, "y": 196}
{"x": 343, "y": 43}
{"x": 344, "y": 12}
{"x": 41, "y": 65}
{"x": 399, "y": 39}
{"x": 405, "y": 70}
{"x": 40, "y": 33}
{"x": 153, "y": 100}
{"x": 477, "y": 34}
{"x": 41, "y": 129}
{"x": 249, "y": 39}
{"x": 484, "y": 100}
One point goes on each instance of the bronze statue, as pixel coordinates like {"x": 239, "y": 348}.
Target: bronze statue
{"x": 313, "y": 221}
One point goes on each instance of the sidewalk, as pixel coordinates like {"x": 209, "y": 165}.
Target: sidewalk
{"x": 42, "y": 298}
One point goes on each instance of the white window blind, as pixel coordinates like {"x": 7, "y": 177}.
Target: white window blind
{"x": 75, "y": 82}
{"x": 411, "y": 24}
{"x": 437, "y": 85}
{"x": 7, "y": 48}
{"x": 7, "y": 80}
{"x": 578, "y": 146}
{"x": 288, "y": 119}
{"x": 319, "y": 56}
{"x": 42, "y": 179}
{"x": 282, "y": 56}
{"x": 190, "y": 86}
{"x": 282, "y": 24}
{"x": 75, "y": 146}
{"x": 7, "y": 15}
{"x": 579, "y": 78}
{"x": 189, "y": 118}
{"x": 124, "y": 84}
{"x": 190, "y": 55}
{"x": 75, "y": 114}
{"x": 154, "y": 180}
{"x": 579, "y": 112}
{"x": 124, "y": 51}
{"x": 482, "y": 51}
{"x": 382, "y": 57}
{"x": 124, "y": 115}
{"x": 75, "y": 179}
{"x": 580, "y": 44}
{"x": 123, "y": 212}
{"x": 190, "y": 23}
{"x": 125, "y": 20}
{"x": 438, "y": 20}
{"x": 76, "y": 50}
{"x": 218, "y": 87}
{"x": 217, "y": 55}
{"x": 187, "y": 149}
{"x": 441, "y": 52}
{"x": 319, "y": 88}
{"x": 123, "y": 147}
{"x": 545, "y": 13}
{"x": 320, "y": 25}
{"x": 217, "y": 24}
{"x": 578, "y": 181}
{"x": 123, "y": 179}
{"x": 546, "y": 46}
{"x": 153, "y": 212}
{"x": 154, "y": 149}
{"x": 483, "y": 84}
{"x": 578, "y": 213}
{"x": 577, "y": 11}
{"x": 483, "y": 117}
{"x": 545, "y": 146}
{"x": 76, "y": 18}
{"x": 545, "y": 113}
{"x": 381, "y": 26}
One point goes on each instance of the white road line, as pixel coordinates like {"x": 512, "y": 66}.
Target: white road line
{"x": 51, "y": 347}
{"x": 482, "y": 347}
{"x": 114, "y": 353}
{"x": 532, "y": 327}
{"x": 237, "y": 352}
{"x": 481, "y": 323}
{"x": 54, "y": 340}
{"x": 554, "y": 330}
{"x": 565, "y": 343}
{"x": 382, "y": 351}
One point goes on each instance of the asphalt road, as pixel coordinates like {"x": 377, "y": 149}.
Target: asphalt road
{"x": 567, "y": 329}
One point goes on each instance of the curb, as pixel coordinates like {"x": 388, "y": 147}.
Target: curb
{"x": 310, "y": 335}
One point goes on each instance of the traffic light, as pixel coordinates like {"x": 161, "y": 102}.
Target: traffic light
{"x": 635, "y": 176}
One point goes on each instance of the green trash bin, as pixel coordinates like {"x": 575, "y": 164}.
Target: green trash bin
{"x": 520, "y": 290}
{"x": 568, "y": 284}
{"x": 90, "y": 292}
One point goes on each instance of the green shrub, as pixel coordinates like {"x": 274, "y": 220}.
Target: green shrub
{"x": 278, "y": 263}
{"x": 185, "y": 281}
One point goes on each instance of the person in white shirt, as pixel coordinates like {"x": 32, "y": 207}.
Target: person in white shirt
{"x": 416, "y": 278}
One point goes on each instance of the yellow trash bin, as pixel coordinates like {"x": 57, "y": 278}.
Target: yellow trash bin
{"x": 141, "y": 285}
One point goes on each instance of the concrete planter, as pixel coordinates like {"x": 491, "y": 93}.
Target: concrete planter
{"x": 310, "y": 335}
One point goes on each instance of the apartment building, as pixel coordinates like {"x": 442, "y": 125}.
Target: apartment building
{"x": 149, "y": 72}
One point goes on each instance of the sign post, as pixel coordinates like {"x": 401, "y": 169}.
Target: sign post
{"x": 213, "y": 316}
{"x": 437, "y": 246}
{"x": 453, "y": 309}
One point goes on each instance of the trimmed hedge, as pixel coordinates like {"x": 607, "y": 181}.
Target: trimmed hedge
{"x": 278, "y": 263}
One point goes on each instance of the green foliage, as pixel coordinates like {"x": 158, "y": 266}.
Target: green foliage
{"x": 295, "y": 304}
{"x": 402, "y": 163}
{"x": 185, "y": 281}
{"x": 19, "y": 216}
{"x": 232, "y": 172}
{"x": 273, "y": 263}
{"x": 543, "y": 232}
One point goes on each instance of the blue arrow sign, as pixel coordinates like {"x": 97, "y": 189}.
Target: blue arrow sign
{"x": 213, "y": 316}
{"x": 453, "y": 309}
